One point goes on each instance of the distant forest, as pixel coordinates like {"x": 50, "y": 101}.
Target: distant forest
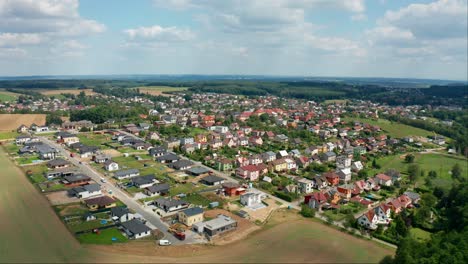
{"x": 454, "y": 95}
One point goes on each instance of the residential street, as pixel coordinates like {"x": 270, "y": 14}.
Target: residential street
{"x": 146, "y": 213}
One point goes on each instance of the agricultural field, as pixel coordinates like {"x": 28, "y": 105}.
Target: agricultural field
{"x": 32, "y": 231}
{"x": 287, "y": 237}
{"x": 440, "y": 163}
{"x": 66, "y": 91}
{"x": 6, "y": 96}
{"x": 394, "y": 129}
{"x": 160, "y": 90}
{"x": 10, "y": 122}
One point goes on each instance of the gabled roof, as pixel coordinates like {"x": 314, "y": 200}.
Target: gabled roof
{"x": 193, "y": 211}
{"x": 119, "y": 211}
{"x": 212, "y": 179}
{"x": 163, "y": 187}
{"x": 135, "y": 226}
{"x": 100, "y": 201}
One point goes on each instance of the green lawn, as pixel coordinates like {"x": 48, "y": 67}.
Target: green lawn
{"x": 440, "y": 163}
{"x": 27, "y": 159}
{"x": 8, "y": 96}
{"x": 92, "y": 139}
{"x": 8, "y": 135}
{"x": 394, "y": 129}
{"x": 104, "y": 237}
{"x": 420, "y": 234}
{"x": 197, "y": 199}
{"x": 90, "y": 225}
{"x": 11, "y": 148}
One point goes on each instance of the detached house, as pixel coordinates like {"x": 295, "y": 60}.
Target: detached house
{"x": 383, "y": 179}
{"x": 121, "y": 214}
{"x": 249, "y": 172}
{"x": 305, "y": 185}
{"x": 111, "y": 165}
{"x": 315, "y": 200}
{"x": 135, "y": 229}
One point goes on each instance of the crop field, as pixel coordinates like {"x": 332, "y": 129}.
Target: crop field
{"x": 31, "y": 231}
{"x": 394, "y": 129}
{"x": 159, "y": 90}
{"x": 286, "y": 238}
{"x": 10, "y": 122}
{"x": 440, "y": 163}
{"x": 67, "y": 91}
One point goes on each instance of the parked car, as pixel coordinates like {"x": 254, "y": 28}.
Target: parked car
{"x": 164, "y": 242}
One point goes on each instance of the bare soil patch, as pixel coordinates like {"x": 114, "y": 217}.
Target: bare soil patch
{"x": 57, "y": 198}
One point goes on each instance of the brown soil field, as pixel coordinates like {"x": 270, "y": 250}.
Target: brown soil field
{"x": 32, "y": 232}
{"x": 9, "y": 122}
{"x": 67, "y": 91}
{"x": 159, "y": 90}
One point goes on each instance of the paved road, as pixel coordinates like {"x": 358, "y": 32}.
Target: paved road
{"x": 146, "y": 213}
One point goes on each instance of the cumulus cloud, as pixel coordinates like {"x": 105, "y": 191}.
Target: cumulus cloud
{"x": 14, "y": 39}
{"x": 159, "y": 33}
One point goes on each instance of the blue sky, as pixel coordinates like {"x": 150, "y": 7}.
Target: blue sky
{"x": 361, "y": 38}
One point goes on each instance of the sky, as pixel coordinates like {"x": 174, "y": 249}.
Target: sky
{"x": 345, "y": 38}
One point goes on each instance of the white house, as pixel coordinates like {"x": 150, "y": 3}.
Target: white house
{"x": 368, "y": 220}
{"x": 345, "y": 174}
{"x": 135, "y": 229}
{"x": 251, "y": 199}
{"x": 291, "y": 164}
{"x": 357, "y": 166}
{"x": 111, "y": 165}
{"x": 343, "y": 162}
{"x": 86, "y": 191}
{"x": 121, "y": 214}
{"x": 305, "y": 185}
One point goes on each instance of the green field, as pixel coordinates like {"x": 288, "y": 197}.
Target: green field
{"x": 8, "y": 135}
{"x": 8, "y": 96}
{"x": 92, "y": 139}
{"x": 441, "y": 163}
{"x": 104, "y": 237}
{"x": 420, "y": 234}
{"x": 394, "y": 129}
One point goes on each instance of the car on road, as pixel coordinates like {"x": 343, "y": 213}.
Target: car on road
{"x": 164, "y": 242}
{"x": 103, "y": 180}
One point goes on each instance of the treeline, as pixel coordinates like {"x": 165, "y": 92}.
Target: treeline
{"x": 457, "y": 131}
{"x": 103, "y": 113}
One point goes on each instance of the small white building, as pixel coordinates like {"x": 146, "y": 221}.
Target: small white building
{"x": 251, "y": 199}
{"x": 111, "y": 165}
{"x": 305, "y": 185}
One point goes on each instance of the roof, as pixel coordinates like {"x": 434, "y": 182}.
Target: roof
{"x": 76, "y": 177}
{"x": 231, "y": 185}
{"x": 168, "y": 156}
{"x": 193, "y": 211}
{"x": 198, "y": 170}
{"x": 101, "y": 201}
{"x": 119, "y": 211}
{"x": 212, "y": 179}
{"x": 383, "y": 177}
{"x": 219, "y": 222}
{"x": 144, "y": 179}
{"x": 181, "y": 164}
{"x": 126, "y": 172}
{"x": 57, "y": 162}
{"x": 158, "y": 187}
{"x": 166, "y": 202}
{"x": 135, "y": 226}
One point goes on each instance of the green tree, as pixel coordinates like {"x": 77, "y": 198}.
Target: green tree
{"x": 306, "y": 211}
{"x": 457, "y": 172}
{"x": 409, "y": 158}
{"x": 432, "y": 174}
{"x": 400, "y": 226}
{"x": 414, "y": 171}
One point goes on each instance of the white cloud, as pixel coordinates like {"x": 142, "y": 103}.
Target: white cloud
{"x": 158, "y": 33}
{"x": 359, "y": 17}
{"x": 439, "y": 19}
{"x": 14, "y": 39}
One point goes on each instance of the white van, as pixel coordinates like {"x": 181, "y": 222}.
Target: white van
{"x": 164, "y": 242}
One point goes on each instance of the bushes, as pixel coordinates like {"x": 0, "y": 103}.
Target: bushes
{"x": 306, "y": 211}
{"x": 385, "y": 238}
{"x": 283, "y": 196}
